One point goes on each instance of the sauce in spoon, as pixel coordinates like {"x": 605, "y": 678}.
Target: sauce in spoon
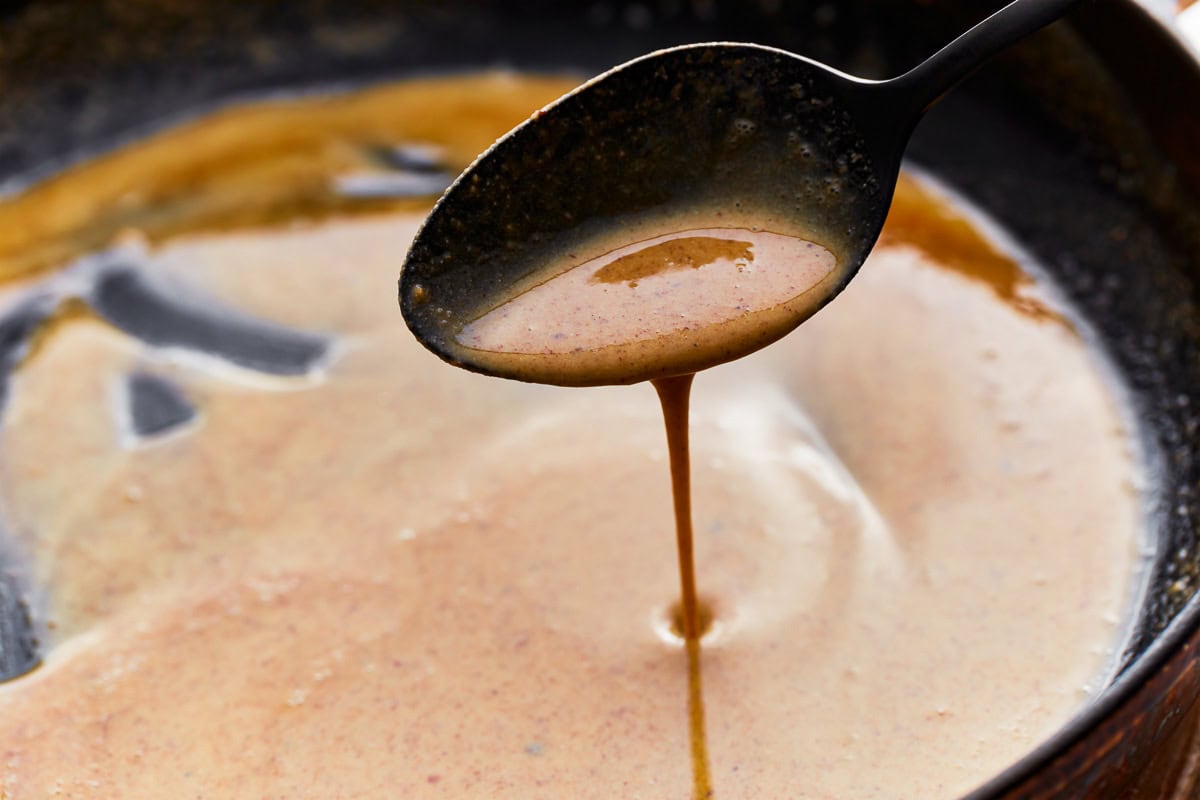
{"x": 668, "y": 305}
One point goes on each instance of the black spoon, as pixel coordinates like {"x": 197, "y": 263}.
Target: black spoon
{"x": 735, "y": 126}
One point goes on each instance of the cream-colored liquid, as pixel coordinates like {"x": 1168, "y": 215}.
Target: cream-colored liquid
{"x": 669, "y": 305}
{"x": 915, "y": 522}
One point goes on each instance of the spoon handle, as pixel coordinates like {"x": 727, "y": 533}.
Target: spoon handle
{"x": 924, "y": 85}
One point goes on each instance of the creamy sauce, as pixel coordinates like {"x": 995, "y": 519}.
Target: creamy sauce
{"x": 915, "y": 522}
{"x": 673, "y": 304}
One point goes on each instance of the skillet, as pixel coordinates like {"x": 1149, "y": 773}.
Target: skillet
{"x": 1083, "y": 142}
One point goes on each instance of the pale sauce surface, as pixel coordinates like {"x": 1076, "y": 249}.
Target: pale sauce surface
{"x": 916, "y": 523}
{"x": 667, "y": 305}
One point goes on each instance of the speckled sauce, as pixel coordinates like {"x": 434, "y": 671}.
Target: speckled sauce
{"x": 916, "y": 527}
{"x": 670, "y": 304}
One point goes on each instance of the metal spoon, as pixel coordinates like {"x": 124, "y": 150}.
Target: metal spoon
{"x": 736, "y": 125}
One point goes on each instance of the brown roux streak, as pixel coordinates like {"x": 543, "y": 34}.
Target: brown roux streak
{"x": 674, "y": 394}
{"x": 920, "y": 219}
{"x": 691, "y": 252}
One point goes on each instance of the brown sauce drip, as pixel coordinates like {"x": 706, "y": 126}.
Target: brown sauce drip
{"x": 674, "y": 395}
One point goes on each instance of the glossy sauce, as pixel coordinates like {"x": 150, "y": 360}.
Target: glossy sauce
{"x": 672, "y": 304}
{"x": 916, "y": 521}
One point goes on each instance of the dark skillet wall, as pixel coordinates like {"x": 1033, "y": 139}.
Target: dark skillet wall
{"x": 78, "y": 72}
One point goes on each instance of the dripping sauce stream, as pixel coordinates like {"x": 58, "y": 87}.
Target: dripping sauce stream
{"x": 674, "y": 394}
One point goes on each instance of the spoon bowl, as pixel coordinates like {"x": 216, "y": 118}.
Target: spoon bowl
{"x": 723, "y": 135}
